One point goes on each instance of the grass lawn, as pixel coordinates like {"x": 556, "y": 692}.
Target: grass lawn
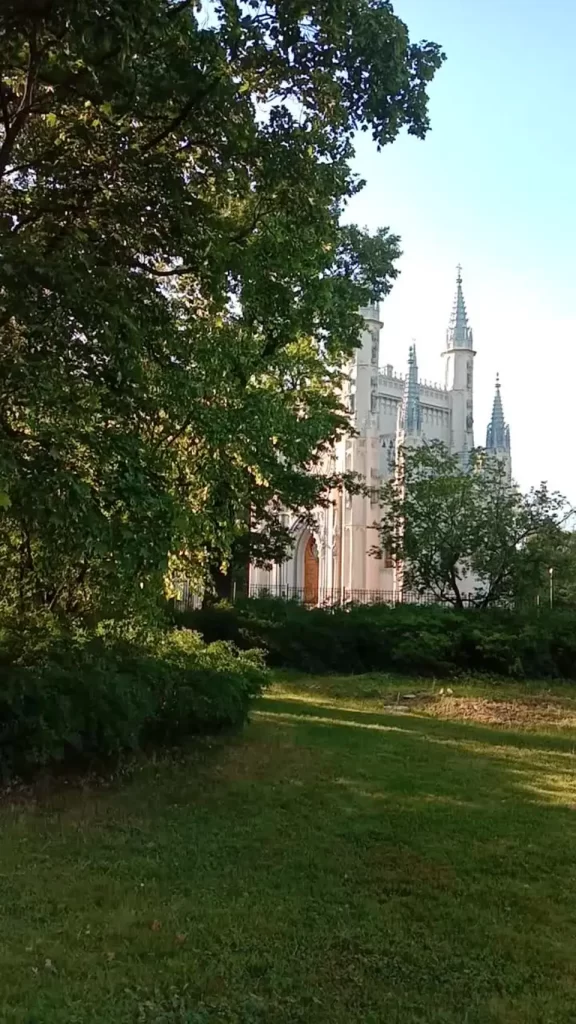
{"x": 354, "y": 857}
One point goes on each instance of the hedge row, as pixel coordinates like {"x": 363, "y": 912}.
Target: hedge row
{"x": 69, "y": 695}
{"x": 407, "y": 639}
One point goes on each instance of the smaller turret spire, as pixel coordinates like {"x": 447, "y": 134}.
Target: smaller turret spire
{"x": 459, "y": 334}
{"x": 498, "y": 433}
{"x": 410, "y": 416}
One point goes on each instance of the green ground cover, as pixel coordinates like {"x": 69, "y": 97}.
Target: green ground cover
{"x": 369, "y": 850}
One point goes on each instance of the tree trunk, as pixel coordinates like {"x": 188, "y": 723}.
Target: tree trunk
{"x": 220, "y": 586}
{"x": 457, "y": 595}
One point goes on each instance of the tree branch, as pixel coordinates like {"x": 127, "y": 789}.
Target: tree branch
{"x": 23, "y": 110}
{"x": 172, "y": 272}
{"x": 5, "y": 111}
{"x": 178, "y": 8}
{"x": 28, "y": 8}
{"x": 180, "y": 117}
{"x": 236, "y": 239}
{"x": 170, "y": 438}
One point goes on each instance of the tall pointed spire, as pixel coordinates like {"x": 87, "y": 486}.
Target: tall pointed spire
{"x": 459, "y": 334}
{"x": 410, "y": 416}
{"x": 498, "y": 433}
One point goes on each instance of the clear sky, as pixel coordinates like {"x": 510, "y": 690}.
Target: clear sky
{"x": 492, "y": 187}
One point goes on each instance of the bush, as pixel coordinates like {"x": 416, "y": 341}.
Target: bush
{"x": 205, "y": 688}
{"x": 69, "y": 694}
{"x": 428, "y": 640}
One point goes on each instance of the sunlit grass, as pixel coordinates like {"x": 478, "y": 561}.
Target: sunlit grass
{"x": 344, "y": 861}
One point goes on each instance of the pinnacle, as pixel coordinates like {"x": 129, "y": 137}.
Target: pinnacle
{"x": 459, "y": 332}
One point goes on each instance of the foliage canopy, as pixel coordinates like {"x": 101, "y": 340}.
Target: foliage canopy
{"x": 461, "y": 531}
{"x": 178, "y": 292}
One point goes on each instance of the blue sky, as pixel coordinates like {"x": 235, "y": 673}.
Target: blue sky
{"x": 493, "y": 187}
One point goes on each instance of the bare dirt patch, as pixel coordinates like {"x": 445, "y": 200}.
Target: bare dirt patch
{"x": 526, "y": 713}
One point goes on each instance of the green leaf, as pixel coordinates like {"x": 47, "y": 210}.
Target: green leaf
{"x": 140, "y": 403}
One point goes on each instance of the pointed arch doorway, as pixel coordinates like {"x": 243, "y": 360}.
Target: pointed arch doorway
{"x": 311, "y": 572}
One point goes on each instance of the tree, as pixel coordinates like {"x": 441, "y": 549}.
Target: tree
{"x": 177, "y": 293}
{"x": 460, "y": 532}
{"x": 550, "y": 553}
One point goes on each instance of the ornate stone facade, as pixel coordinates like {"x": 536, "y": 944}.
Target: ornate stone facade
{"x": 387, "y": 409}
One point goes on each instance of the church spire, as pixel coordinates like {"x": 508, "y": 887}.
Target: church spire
{"x": 498, "y": 433}
{"x": 459, "y": 334}
{"x": 410, "y": 417}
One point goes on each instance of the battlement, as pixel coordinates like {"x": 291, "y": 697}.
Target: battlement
{"x": 433, "y": 391}
{"x": 394, "y": 379}
{"x": 371, "y": 314}
{"x": 389, "y": 378}
{"x": 389, "y": 373}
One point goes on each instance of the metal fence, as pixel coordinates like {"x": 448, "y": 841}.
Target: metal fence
{"x": 336, "y": 597}
{"x": 187, "y": 599}
{"x": 322, "y": 598}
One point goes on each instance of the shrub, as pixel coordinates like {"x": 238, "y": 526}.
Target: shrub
{"x": 205, "y": 688}
{"x": 69, "y": 694}
{"x": 429, "y": 640}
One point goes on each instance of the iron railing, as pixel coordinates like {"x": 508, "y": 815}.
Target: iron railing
{"x": 332, "y": 597}
{"x": 324, "y": 597}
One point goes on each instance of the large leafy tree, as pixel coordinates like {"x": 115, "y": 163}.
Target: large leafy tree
{"x": 461, "y": 532}
{"x": 177, "y": 293}
{"x": 547, "y": 571}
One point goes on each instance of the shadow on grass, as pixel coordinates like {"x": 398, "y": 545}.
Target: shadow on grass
{"x": 399, "y": 754}
{"x": 424, "y": 725}
{"x": 329, "y": 865}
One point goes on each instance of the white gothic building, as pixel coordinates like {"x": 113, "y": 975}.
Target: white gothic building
{"x": 387, "y": 409}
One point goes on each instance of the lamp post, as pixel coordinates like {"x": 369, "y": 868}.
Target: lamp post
{"x": 551, "y": 575}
